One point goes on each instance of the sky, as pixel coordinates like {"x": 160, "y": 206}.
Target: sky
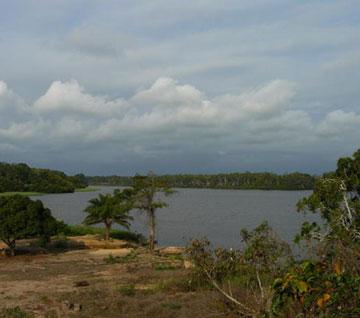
{"x": 124, "y": 87}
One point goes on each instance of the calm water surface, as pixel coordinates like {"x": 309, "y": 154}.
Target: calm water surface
{"x": 216, "y": 214}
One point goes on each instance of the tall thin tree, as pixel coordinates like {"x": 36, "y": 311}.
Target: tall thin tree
{"x": 148, "y": 190}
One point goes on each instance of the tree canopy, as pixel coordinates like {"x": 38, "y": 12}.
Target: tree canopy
{"x": 21, "y": 217}
{"x": 22, "y": 178}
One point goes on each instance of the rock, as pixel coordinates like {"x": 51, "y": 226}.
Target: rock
{"x": 82, "y": 283}
{"x": 72, "y": 306}
{"x": 188, "y": 264}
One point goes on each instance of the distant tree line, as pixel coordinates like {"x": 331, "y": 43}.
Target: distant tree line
{"x": 246, "y": 180}
{"x": 22, "y": 178}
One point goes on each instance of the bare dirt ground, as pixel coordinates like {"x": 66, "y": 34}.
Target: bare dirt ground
{"x": 88, "y": 282}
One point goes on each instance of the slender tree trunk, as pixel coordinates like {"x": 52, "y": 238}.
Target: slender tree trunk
{"x": 107, "y": 230}
{"x": 152, "y": 230}
{"x": 11, "y": 245}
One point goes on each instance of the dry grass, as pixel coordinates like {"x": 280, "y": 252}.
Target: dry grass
{"x": 81, "y": 283}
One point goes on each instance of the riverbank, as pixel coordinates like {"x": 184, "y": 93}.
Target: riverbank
{"x": 33, "y": 194}
{"x": 123, "y": 280}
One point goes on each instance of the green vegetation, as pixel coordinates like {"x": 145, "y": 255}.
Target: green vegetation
{"x": 14, "y": 312}
{"x": 264, "y": 280}
{"x": 80, "y": 230}
{"x": 146, "y": 189}
{"x": 247, "y": 180}
{"x": 172, "y": 305}
{"x": 110, "y": 209}
{"x": 21, "y": 217}
{"x": 22, "y": 178}
{"x": 35, "y": 194}
{"x": 164, "y": 267}
{"x": 115, "y": 208}
{"x": 26, "y": 194}
{"x": 128, "y": 290}
{"x": 111, "y": 259}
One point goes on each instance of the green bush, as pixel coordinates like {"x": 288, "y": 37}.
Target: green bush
{"x": 128, "y": 290}
{"x": 15, "y": 312}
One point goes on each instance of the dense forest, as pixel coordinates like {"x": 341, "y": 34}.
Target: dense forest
{"x": 246, "y": 180}
{"x": 22, "y": 178}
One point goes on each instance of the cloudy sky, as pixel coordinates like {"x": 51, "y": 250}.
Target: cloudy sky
{"x": 201, "y": 86}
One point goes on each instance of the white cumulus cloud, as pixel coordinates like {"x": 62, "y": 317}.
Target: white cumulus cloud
{"x": 167, "y": 118}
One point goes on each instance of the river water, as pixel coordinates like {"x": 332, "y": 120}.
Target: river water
{"x": 217, "y": 214}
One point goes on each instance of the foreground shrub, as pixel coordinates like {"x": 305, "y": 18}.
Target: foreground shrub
{"x": 313, "y": 291}
{"x": 242, "y": 277}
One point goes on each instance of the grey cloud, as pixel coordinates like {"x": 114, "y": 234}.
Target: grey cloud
{"x": 169, "y": 117}
{"x": 124, "y": 101}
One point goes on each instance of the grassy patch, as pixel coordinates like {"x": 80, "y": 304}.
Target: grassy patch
{"x": 175, "y": 257}
{"x": 15, "y": 312}
{"x": 28, "y": 194}
{"x": 171, "y": 305}
{"x": 120, "y": 259}
{"x": 178, "y": 284}
{"x": 164, "y": 267}
{"x": 127, "y": 290}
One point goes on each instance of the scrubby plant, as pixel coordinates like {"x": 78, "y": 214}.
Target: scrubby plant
{"x": 329, "y": 284}
{"x": 312, "y": 290}
{"x": 228, "y": 270}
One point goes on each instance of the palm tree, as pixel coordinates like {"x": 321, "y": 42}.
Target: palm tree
{"x": 109, "y": 209}
{"x": 146, "y": 190}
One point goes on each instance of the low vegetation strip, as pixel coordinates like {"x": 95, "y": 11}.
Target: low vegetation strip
{"x": 82, "y": 230}
{"x": 87, "y": 189}
{"x": 28, "y": 194}
{"x": 34, "y": 194}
